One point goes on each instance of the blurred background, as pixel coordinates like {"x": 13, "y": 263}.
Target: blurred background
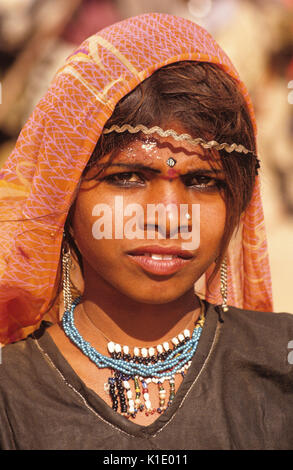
{"x": 37, "y": 35}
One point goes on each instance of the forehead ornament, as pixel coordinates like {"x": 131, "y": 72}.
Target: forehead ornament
{"x": 179, "y": 137}
{"x": 212, "y": 144}
{"x": 171, "y": 162}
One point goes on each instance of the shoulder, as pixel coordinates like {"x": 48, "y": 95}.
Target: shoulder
{"x": 19, "y": 362}
{"x": 266, "y": 322}
{"x": 263, "y": 337}
{"x": 16, "y": 354}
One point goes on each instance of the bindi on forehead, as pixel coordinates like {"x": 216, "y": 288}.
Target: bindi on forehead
{"x": 171, "y": 174}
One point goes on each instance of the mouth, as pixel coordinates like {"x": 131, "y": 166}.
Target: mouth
{"x": 160, "y": 260}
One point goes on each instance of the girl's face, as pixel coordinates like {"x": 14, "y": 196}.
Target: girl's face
{"x": 147, "y": 257}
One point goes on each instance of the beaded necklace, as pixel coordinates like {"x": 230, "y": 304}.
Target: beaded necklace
{"x": 144, "y": 366}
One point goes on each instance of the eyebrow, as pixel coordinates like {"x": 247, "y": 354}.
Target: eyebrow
{"x": 135, "y": 166}
{"x": 204, "y": 171}
{"x": 140, "y": 166}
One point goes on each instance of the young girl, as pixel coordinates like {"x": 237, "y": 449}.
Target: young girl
{"x": 131, "y": 222}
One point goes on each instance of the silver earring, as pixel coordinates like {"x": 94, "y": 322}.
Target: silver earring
{"x": 66, "y": 264}
{"x": 224, "y": 284}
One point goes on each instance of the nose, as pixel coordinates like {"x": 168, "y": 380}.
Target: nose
{"x": 167, "y": 214}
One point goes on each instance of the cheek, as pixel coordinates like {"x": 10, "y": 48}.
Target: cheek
{"x": 82, "y": 221}
{"x": 92, "y": 248}
{"x": 212, "y": 225}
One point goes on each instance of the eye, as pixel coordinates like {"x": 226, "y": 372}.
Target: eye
{"x": 125, "y": 179}
{"x": 203, "y": 182}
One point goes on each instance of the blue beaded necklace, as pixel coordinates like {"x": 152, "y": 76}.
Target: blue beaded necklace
{"x": 141, "y": 370}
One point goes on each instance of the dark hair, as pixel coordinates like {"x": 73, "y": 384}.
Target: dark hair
{"x": 208, "y": 103}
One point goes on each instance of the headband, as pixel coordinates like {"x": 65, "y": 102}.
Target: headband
{"x": 212, "y": 144}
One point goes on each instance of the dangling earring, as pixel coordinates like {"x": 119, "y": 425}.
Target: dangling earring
{"x": 224, "y": 284}
{"x": 66, "y": 264}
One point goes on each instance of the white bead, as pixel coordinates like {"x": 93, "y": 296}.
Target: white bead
{"x": 181, "y": 337}
{"x": 166, "y": 346}
{"x": 160, "y": 348}
{"x": 126, "y": 384}
{"x": 151, "y": 351}
{"x": 148, "y": 380}
{"x": 146, "y": 396}
{"x": 175, "y": 341}
{"x": 154, "y": 380}
{"x": 131, "y": 403}
{"x": 136, "y": 351}
{"x": 129, "y": 394}
{"x": 186, "y": 333}
{"x": 148, "y": 404}
{"x": 144, "y": 352}
{"x": 125, "y": 349}
{"x": 111, "y": 347}
{"x": 117, "y": 348}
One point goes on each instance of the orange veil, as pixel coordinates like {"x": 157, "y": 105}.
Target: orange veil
{"x": 39, "y": 179}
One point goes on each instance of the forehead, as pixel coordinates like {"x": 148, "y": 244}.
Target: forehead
{"x": 154, "y": 150}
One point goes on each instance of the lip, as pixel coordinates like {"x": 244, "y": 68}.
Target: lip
{"x": 162, "y": 267}
{"x": 161, "y": 250}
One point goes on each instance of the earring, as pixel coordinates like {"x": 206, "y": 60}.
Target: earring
{"x": 66, "y": 264}
{"x": 224, "y": 284}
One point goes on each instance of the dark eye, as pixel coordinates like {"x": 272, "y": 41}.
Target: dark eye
{"x": 125, "y": 179}
{"x": 202, "y": 182}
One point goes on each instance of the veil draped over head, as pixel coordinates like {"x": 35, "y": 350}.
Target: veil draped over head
{"x": 39, "y": 180}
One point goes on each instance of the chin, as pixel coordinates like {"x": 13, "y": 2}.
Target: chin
{"x": 156, "y": 296}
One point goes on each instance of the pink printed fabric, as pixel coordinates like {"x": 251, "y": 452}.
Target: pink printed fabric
{"x": 39, "y": 179}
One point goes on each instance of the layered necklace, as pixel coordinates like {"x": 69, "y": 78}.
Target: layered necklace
{"x": 157, "y": 364}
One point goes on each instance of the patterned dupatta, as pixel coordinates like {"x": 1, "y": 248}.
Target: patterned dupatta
{"x": 39, "y": 180}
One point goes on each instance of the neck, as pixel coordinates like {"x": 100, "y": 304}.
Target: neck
{"x": 128, "y": 322}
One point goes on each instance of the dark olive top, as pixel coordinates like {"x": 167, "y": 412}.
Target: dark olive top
{"x": 237, "y": 394}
